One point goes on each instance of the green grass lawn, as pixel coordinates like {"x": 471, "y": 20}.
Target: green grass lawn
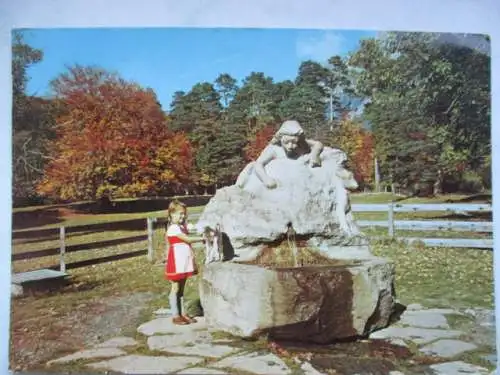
{"x": 434, "y": 277}
{"x": 440, "y": 277}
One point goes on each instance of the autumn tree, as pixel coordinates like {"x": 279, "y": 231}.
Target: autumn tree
{"x": 112, "y": 140}
{"x": 261, "y": 140}
{"x": 357, "y": 142}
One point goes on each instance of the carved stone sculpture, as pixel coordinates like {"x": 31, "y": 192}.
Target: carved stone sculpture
{"x": 293, "y": 198}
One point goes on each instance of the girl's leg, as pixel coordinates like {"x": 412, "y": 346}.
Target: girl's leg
{"x": 181, "y": 294}
{"x": 174, "y": 301}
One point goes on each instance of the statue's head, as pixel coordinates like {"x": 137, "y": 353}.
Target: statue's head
{"x": 289, "y": 136}
{"x": 291, "y": 128}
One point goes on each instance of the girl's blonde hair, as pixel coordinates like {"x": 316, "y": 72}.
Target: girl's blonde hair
{"x": 174, "y": 206}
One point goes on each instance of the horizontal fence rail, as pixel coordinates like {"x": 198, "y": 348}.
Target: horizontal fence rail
{"x": 446, "y": 242}
{"x": 109, "y": 258}
{"x": 431, "y": 225}
{"x": 424, "y": 207}
{"x": 79, "y": 247}
{"x": 39, "y": 235}
{"x": 62, "y": 232}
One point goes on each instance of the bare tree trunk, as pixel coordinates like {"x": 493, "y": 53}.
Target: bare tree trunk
{"x": 377, "y": 176}
{"x": 438, "y": 184}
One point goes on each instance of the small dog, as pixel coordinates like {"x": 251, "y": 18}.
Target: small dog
{"x": 213, "y": 244}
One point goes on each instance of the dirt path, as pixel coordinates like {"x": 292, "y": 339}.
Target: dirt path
{"x": 37, "y": 339}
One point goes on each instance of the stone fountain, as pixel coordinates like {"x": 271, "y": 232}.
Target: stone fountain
{"x": 293, "y": 264}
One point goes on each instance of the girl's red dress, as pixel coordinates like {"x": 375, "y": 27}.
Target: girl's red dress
{"x": 180, "y": 262}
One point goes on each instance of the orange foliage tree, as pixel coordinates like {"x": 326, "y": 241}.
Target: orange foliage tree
{"x": 259, "y": 142}
{"x": 112, "y": 139}
{"x": 358, "y": 144}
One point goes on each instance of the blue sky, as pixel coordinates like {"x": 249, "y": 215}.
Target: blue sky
{"x": 173, "y": 59}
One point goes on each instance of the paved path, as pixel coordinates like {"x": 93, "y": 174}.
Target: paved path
{"x": 164, "y": 348}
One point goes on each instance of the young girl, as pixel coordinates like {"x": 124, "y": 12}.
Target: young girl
{"x": 180, "y": 264}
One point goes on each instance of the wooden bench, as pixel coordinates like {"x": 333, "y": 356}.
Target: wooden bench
{"x": 37, "y": 279}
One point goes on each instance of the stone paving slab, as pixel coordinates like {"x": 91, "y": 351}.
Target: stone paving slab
{"x": 424, "y": 319}
{"x": 256, "y": 363}
{"x": 165, "y": 325}
{"x": 458, "y": 367}
{"x": 447, "y": 348}
{"x": 117, "y": 342}
{"x": 142, "y": 364}
{"x": 201, "y": 371}
{"x": 89, "y": 354}
{"x": 418, "y": 307}
{"x": 179, "y": 339}
{"x": 417, "y": 335}
{"x": 202, "y": 350}
{"x": 441, "y": 311}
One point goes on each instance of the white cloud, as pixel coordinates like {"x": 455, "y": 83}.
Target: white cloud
{"x": 320, "y": 48}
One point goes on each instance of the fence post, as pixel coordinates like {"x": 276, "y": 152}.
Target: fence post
{"x": 150, "y": 238}
{"x": 62, "y": 238}
{"x": 390, "y": 218}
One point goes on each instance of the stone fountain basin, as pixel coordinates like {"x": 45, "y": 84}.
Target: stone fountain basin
{"x": 345, "y": 299}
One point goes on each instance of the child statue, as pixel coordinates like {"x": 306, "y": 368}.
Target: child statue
{"x": 288, "y": 142}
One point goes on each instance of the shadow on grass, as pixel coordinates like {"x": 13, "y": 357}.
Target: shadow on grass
{"x": 471, "y": 216}
{"x": 479, "y": 198}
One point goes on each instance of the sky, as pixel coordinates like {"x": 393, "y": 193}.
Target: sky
{"x": 174, "y": 59}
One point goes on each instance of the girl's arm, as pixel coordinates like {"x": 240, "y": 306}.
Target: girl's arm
{"x": 175, "y": 230}
{"x": 190, "y": 239}
{"x": 264, "y": 158}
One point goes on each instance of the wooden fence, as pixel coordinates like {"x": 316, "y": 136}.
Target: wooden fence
{"x": 62, "y": 232}
{"x": 463, "y": 210}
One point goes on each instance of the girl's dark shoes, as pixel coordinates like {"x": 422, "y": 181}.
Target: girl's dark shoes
{"x": 188, "y": 319}
{"x": 180, "y": 321}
